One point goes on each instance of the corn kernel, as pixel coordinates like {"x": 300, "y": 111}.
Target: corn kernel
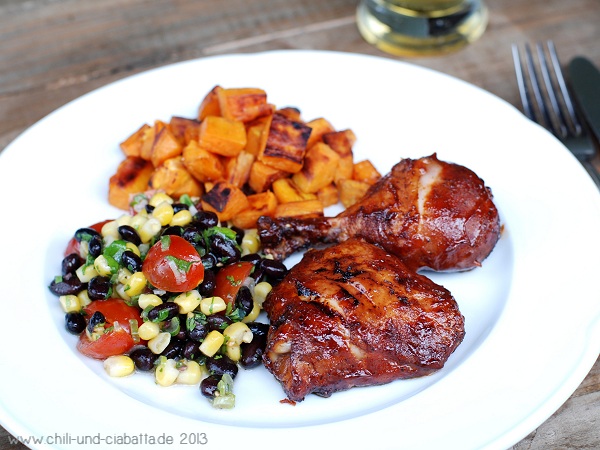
{"x": 70, "y": 303}
{"x": 125, "y": 219}
{"x": 85, "y": 273}
{"x": 134, "y": 248}
{"x": 250, "y": 242}
{"x": 212, "y": 343}
{"x": 166, "y": 371}
{"x": 191, "y": 373}
{"x": 188, "y": 301}
{"x": 102, "y": 267}
{"x": 146, "y": 300}
{"x": 149, "y": 229}
{"x": 181, "y": 218}
{"x": 163, "y": 213}
{"x": 158, "y": 343}
{"x": 121, "y": 290}
{"x": 261, "y": 290}
{"x": 148, "y": 330}
{"x": 158, "y": 198}
{"x": 84, "y": 249}
{"x": 119, "y": 366}
{"x": 138, "y": 221}
{"x": 212, "y": 305}
{"x": 84, "y": 298}
{"x": 136, "y": 284}
{"x": 110, "y": 229}
{"x": 253, "y": 314}
{"x": 237, "y": 333}
{"x": 234, "y": 352}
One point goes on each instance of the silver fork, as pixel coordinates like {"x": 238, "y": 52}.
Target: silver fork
{"x": 551, "y": 105}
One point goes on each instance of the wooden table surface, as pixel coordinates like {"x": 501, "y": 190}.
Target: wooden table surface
{"x": 53, "y": 51}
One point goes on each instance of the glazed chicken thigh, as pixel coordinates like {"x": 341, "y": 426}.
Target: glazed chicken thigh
{"x": 353, "y": 315}
{"x": 431, "y": 214}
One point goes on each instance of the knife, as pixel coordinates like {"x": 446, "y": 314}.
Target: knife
{"x": 585, "y": 81}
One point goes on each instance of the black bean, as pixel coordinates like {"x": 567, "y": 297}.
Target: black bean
{"x": 218, "y": 321}
{"x": 191, "y": 350}
{"x": 258, "y": 274}
{"x": 85, "y": 234}
{"x": 208, "y": 284}
{"x": 273, "y": 268}
{"x": 66, "y": 285}
{"x": 99, "y": 288}
{"x": 244, "y": 300}
{"x": 179, "y": 207}
{"x": 254, "y": 258}
{"x": 149, "y": 209}
{"x": 163, "y": 312}
{"x": 70, "y": 263}
{"x": 96, "y": 319}
{"x": 131, "y": 261}
{"x": 252, "y": 352}
{"x": 174, "y": 349}
{"x": 258, "y": 328}
{"x": 129, "y": 234}
{"x": 95, "y": 246}
{"x": 221, "y": 366}
{"x": 174, "y": 230}
{"x": 199, "y": 332}
{"x": 226, "y": 248}
{"x": 74, "y": 322}
{"x": 206, "y": 219}
{"x": 209, "y": 261}
{"x": 192, "y": 235}
{"x": 143, "y": 358}
{"x": 209, "y": 386}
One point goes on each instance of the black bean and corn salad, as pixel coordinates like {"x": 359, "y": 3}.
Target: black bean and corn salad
{"x": 170, "y": 290}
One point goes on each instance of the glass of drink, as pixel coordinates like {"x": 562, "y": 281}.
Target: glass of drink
{"x": 421, "y": 27}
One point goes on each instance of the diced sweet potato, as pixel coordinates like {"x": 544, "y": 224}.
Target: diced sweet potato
{"x": 257, "y": 133}
{"x": 286, "y": 191}
{"x": 202, "y": 164}
{"x": 132, "y": 177}
{"x": 226, "y": 200}
{"x": 320, "y": 165}
{"x": 165, "y": 146}
{"x": 345, "y": 169}
{"x": 172, "y": 177}
{"x": 305, "y": 208}
{"x": 244, "y": 104}
{"x": 222, "y": 136}
{"x": 351, "y": 191}
{"x": 319, "y": 127}
{"x": 132, "y": 146}
{"x": 184, "y": 130}
{"x": 237, "y": 168}
{"x": 328, "y": 195}
{"x": 340, "y": 142}
{"x": 286, "y": 144}
{"x": 365, "y": 171}
{"x": 209, "y": 106}
{"x": 263, "y": 176}
{"x": 291, "y": 113}
{"x": 262, "y": 204}
{"x": 148, "y": 139}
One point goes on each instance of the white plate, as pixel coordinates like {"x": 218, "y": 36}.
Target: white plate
{"x": 532, "y": 311}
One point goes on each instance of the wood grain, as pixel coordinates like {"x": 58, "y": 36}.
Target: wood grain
{"x": 53, "y": 51}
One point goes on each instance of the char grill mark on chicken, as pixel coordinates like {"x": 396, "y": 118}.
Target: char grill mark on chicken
{"x": 353, "y": 315}
{"x": 430, "y": 213}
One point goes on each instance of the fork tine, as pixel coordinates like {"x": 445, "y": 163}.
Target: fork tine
{"x": 562, "y": 131}
{"x": 534, "y": 79}
{"x": 523, "y": 91}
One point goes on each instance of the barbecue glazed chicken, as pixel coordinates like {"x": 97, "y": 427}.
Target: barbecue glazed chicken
{"x": 430, "y": 213}
{"x": 353, "y": 315}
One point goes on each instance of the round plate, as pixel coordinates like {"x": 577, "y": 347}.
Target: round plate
{"x": 532, "y": 312}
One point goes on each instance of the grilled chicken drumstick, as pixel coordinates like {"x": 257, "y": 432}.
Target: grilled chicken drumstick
{"x": 353, "y": 315}
{"x": 430, "y": 213}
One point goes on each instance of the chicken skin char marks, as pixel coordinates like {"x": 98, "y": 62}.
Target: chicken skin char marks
{"x": 432, "y": 214}
{"x": 354, "y": 315}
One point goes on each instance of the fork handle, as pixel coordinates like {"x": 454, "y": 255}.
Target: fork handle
{"x": 592, "y": 171}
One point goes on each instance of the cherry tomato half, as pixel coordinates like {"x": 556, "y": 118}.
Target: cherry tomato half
{"x": 114, "y": 342}
{"x": 229, "y": 279}
{"x": 173, "y": 265}
{"x": 73, "y": 245}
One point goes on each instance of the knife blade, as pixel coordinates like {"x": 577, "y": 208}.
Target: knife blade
{"x": 585, "y": 81}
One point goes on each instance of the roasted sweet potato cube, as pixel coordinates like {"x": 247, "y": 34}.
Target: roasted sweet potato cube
{"x": 209, "y": 106}
{"x": 244, "y": 104}
{"x": 172, "y": 177}
{"x": 132, "y": 177}
{"x": 340, "y": 142}
{"x": 266, "y": 202}
{"x": 365, "y": 171}
{"x": 345, "y": 169}
{"x": 351, "y": 191}
{"x": 320, "y": 165}
{"x": 263, "y": 176}
{"x": 226, "y": 200}
{"x": 305, "y": 208}
{"x": 291, "y": 113}
{"x": 319, "y": 127}
{"x": 286, "y": 144}
{"x": 286, "y": 191}
{"x": 328, "y": 195}
{"x": 184, "y": 129}
{"x": 202, "y": 164}
{"x": 222, "y": 136}
{"x": 246, "y": 219}
{"x": 257, "y": 133}
{"x": 148, "y": 139}
{"x": 237, "y": 168}
{"x": 165, "y": 146}
{"x": 132, "y": 146}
